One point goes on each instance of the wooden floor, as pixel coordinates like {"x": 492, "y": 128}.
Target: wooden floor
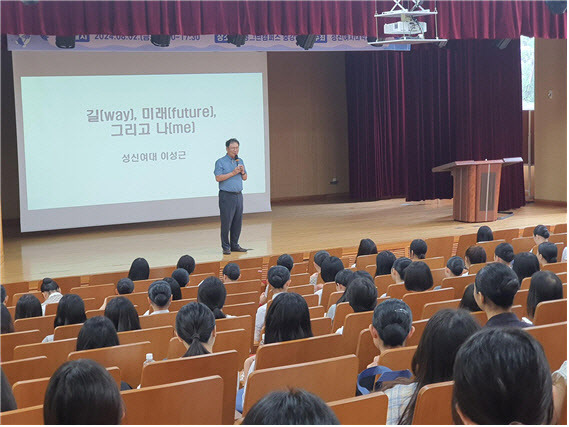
{"x": 288, "y": 228}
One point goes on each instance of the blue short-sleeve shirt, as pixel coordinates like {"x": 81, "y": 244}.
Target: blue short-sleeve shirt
{"x": 226, "y": 165}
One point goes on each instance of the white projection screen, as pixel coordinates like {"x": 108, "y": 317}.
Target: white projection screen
{"x": 114, "y": 138}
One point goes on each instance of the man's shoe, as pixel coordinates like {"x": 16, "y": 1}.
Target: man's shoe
{"x": 239, "y": 249}
{"x": 226, "y": 252}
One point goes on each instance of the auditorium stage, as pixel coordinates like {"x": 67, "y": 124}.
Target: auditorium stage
{"x": 290, "y": 227}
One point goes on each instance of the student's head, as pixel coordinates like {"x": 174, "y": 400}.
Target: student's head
{"x": 278, "y": 277}
{"x": 501, "y": 376}
{"x": 343, "y": 279}
{"x": 468, "y": 302}
{"x": 504, "y": 253}
{"x": 70, "y": 311}
{"x": 286, "y": 261}
{"x": 330, "y": 267}
{"x": 231, "y": 272}
{"x": 139, "y": 270}
{"x": 97, "y": 332}
{"x": 3, "y": 295}
{"x": 418, "y": 277}
{"x": 48, "y": 286}
{"x": 28, "y": 306}
{"x": 544, "y": 286}
{"x": 495, "y": 287}
{"x": 125, "y": 286}
{"x": 174, "y": 287}
{"x": 474, "y": 255}
{"x": 121, "y": 312}
{"x": 82, "y": 392}
{"x": 181, "y": 276}
{"x": 187, "y": 262}
{"x": 398, "y": 269}
{"x": 383, "y": 263}
{"x": 418, "y": 249}
{"x": 540, "y": 234}
{"x": 367, "y": 247}
{"x": 525, "y": 264}
{"x": 484, "y": 234}
{"x": 6, "y": 323}
{"x": 195, "y": 326}
{"x": 361, "y": 295}
{"x": 546, "y": 253}
{"x": 455, "y": 267}
{"x": 212, "y": 293}
{"x": 433, "y": 360}
{"x": 7, "y": 400}
{"x": 287, "y": 319}
{"x": 363, "y": 274}
{"x": 160, "y": 295}
{"x": 291, "y": 407}
{"x": 319, "y": 258}
{"x": 392, "y": 324}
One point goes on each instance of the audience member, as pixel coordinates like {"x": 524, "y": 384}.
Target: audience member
{"x": 28, "y": 306}
{"x": 342, "y": 279}
{"x": 279, "y": 281}
{"x": 286, "y": 261}
{"x": 366, "y": 247}
{"x": 212, "y": 293}
{"x": 195, "y": 327}
{"x": 398, "y": 269}
{"x": 125, "y": 286}
{"x": 330, "y": 267}
{"x": 187, "y": 262}
{"x": 418, "y": 249}
{"x": 174, "y": 288}
{"x": 540, "y": 234}
{"x": 455, "y": 267}
{"x": 546, "y": 253}
{"x": 97, "y": 332}
{"x": 70, "y": 311}
{"x": 418, "y": 277}
{"x": 525, "y": 264}
{"x": 51, "y": 293}
{"x": 474, "y": 255}
{"x": 122, "y": 313}
{"x": 159, "y": 297}
{"x": 559, "y": 379}
{"x": 181, "y": 276}
{"x": 6, "y": 323}
{"x": 319, "y": 258}
{"x": 139, "y": 270}
{"x": 468, "y": 302}
{"x": 384, "y": 262}
{"x": 361, "y": 295}
{"x": 504, "y": 253}
{"x": 7, "y": 400}
{"x": 544, "y": 286}
{"x": 484, "y": 234}
{"x": 231, "y": 272}
{"x": 3, "y": 294}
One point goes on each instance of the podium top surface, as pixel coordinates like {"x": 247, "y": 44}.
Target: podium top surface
{"x": 462, "y": 163}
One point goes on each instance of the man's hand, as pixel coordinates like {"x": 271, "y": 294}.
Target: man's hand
{"x": 262, "y": 298}
{"x": 236, "y": 170}
{"x": 241, "y": 169}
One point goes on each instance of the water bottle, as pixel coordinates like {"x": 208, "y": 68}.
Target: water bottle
{"x": 149, "y": 359}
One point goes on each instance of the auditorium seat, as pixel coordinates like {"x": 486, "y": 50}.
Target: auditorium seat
{"x": 528, "y": 231}
{"x": 489, "y": 248}
{"x": 342, "y": 310}
{"x": 397, "y": 358}
{"x": 43, "y": 323}
{"x": 156, "y": 320}
{"x": 369, "y": 409}
{"x": 434, "y": 404}
{"x": 139, "y": 299}
{"x": 26, "y": 369}
{"x": 553, "y": 339}
{"x": 207, "y": 267}
{"x": 55, "y": 351}
{"x": 300, "y": 279}
{"x": 458, "y": 284}
{"x": 178, "y": 304}
{"x": 382, "y": 283}
{"x": 17, "y": 296}
{"x": 521, "y": 298}
{"x": 417, "y": 300}
{"x": 440, "y": 247}
{"x": 365, "y": 349}
{"x": 249, "y": 308}
{"x": 397, "y": 290}
{"x": 90, "y": 304}
{"x": 106, "y": 278}
{"x": 301, "y": 289}
{"x": 353, "y": 325}
{"x": 249, "y": 263}
{"x": 464, "y": 242}
{"x": 315, "y": 312}
{"x": 475, "y": 268}
{"x": 67, "y": 331}
{"x": 65, "y": 283}
{"x": 297, "y": 257}
{"x": 15, "y": 288}
{"x": 556, "y": 267}
{"x": 95, "y": 313}
{"x": 321, "y": 326}
{"x": 559, "y": 238}
{"x": 299, "y": 268}
{"x": 333, "y": 298}
{"x": 559, "y": 228}
{"x": 327, "y": 290}
{"x": 12, "y": 340}
{"x": 311, "y": 299}
{"x": 419, "y": 326}
{"x": 157, "y": 273}
{"x": 237, "y": 287}
{"x": 250, "y": 274}
{"x": 99, "y": 292}
{"x": 523, "y": 244}
{"x": 364, "y": 260}
{"x": 159, "y": 339}
{"x": 196, "y": 279}
{"x": 438, "y": 275}
{"x": 507, "y": 235}
{"x": 242, "y": 298}
{"x": 337, "y": 252}
{"x": 26, "y": 416}
{"x": 435, "y": 262}
{"x": 191, "y": 292}
{"x": 431, "y": 308}
{"x": 548, "y": 312}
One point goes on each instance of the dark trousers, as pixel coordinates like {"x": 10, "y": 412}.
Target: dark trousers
{"x": 231, "y": 214}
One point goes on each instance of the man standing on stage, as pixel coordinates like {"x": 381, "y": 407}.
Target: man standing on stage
{"x": 230, "y": 173}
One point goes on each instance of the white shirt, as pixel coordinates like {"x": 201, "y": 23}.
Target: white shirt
{"x": 260, "y": 318}
{"x": 148, "y": 313}
{"x": 331, "y": 311}
{"x": 52, "y": 299}
{"x": 564, "y": 256}
{"x": 319, "y": 293}
{"x": 340, "y": 330}
{"x": 48, "y": 338}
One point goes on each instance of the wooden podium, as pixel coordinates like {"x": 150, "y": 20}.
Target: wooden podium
{"x": 476, "y": 188}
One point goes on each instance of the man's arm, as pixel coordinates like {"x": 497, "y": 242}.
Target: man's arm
{"x": 243, "y": 173}
{"x": 225, "y": 176}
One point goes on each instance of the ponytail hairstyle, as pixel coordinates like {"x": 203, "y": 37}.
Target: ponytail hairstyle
{"x": 456, "y": 265}
{"x": 384, "y": 262}
{"x": 392, "y": 320}
{"x": 194, "y": 325}
{"x": 484, "y": 234}
{"x": 498, "y": 283}
{"x": 419, "y": 248}
{"x": 542, "y": 231}
{"x": 367, "y": 247}
{"x": 160, "y": 293}
{"x": 548, "y": 251}
{"x": 212, "y": 293}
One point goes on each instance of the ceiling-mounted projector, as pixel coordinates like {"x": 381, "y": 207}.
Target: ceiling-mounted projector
{"x": 405, "y": 27}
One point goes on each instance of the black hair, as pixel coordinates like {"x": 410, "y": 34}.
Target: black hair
{"x": 456, "y": 265}
{"x": 82, "y": 392}
{"x": 122, "y": 313}
{"x": 291, "y": 407}
{"x": 286, "y": 261}
{"x": 97, "y": 332}
{"x": 468, "y": 302}
{"x": 361, "y": 295}
{"x": 400, "y": 265}
{"x": 6, "y": 323}
{"x": 364, "y": 275}
{"x": 383, "y": 262}
{"x": 418, "y": 277}
{"x": 70, "y": 311}
{"x": 501, "y": 376}
{"x": 544, "y": 286}
{"x": 159, "y": 293}
{"x": 525, "y": 264}
{"x": 139, "y": 270}
{"x": 366, "y": 247}
{"x": 505, "y": 251}
{"x": 330, "y": 267}
{"x": 194, "y": 325}
{"x": 212, "y": 293}
{"x": 125, "y": 286}
{"x": 419, "y": 248}
{"x": 3, "y": 294}
{"x": 484, "y": 234}
{"x": 48, "y": 285}
{"x": 433, "y": 360}
{"x": 181, "y": 276}
{"x": 28, "y": 306}
{"x": 174, "y": 288}
{"x": 232, "y": 271}
{"x": 498, "y": 283}
{"x": 7, "y": 400}
{"x": 320, "y": 256}
{"x": 541, "y": 230}
{"x": 278, "y": 276}
{"x": 548, "y": 251}
{"x": 231, "y": 141}
{"x": 344, "y": 277}
{"x": 475, "y": 254}
{"x": 392, "y": 319}
{"x": 187, "y": 262}
{"x": 287, "y": 319}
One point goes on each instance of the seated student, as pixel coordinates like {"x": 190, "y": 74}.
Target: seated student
{"x": 484, "y": 234}
{"x": 384, "y": 262}
{"x": 187, "y": 262}
{"x": 433, "y": 361}
{"x": 474, "y": 255}
{"x": 319, "y": 258}
{"x": 70, "y": 311}
{"x": 525, "y": 264}
{"x": 398, "y": 269}
{"x": 279, "y": 280}
{"x": 342, "y": 279}
{"x": 174, "y": 287}
{"x": 51, "y": 293}
{"x": 122, "y": 313}
{"x": 418, "y": 277}
{"x": 468, "y": 302}
{"x": 195, "y": 327}
{"x": 28, "y": 306}
{"x": 494, "y": 289}
{"x": 418, "y": 249}
{"x": 231, "y": 272}
{"x": 139, "y": 270}
{"x": 291, "y": 407}
{"x": 6, "y": 323}
{"x": 286, "y": 261}
{"x": 125, "y": 286}
{"x": 455, "y": 267}
{"x": 330, "y": 267}
{"x": 159, "y": 297}
{"x": 544, "y": 286}
{"x": 361, "y": 295}
{"x": 3, "y": 295}
{"x": 504, "y": 253}
{"x": 540, "y": 234}
{"x": 82, "y": 392}
{"x": 559, "y": 379}
{"x": 181, "y": 276}
{"x": 366, "y": 247}
{"x": 546, "y": 253}
{"x": 501, "y": 376}
{"x": 7, "y": 400}
{"x": 212, "y": 293}
{"x": 564, "y": 254}
{"x": 97, "y": 332}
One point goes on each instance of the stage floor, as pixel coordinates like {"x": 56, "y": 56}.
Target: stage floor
{"x": 288, "y": 228}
